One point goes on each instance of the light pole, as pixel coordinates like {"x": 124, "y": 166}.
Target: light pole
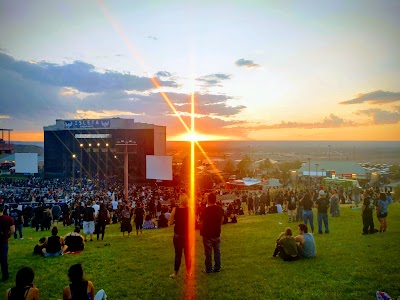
{"x": 73, "y": 171}
{"x": 98, "y": 160}
{"x": 80, "y": 168}
{"x": 107, "y": 165}
{"x": 90, "y": 161}
{"x": 309, "y": 172}
{"x": 316, "y": 169}
{"x": 126, "y": 147}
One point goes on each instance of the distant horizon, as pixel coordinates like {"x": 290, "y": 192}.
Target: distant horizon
{"x": 296, "y": 71}
{"x": 172, "y": 141}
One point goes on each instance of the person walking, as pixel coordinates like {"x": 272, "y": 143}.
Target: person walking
{"x": 7, "y": 228}
{"x": 102, "y": 217}
{"x": 322, "y": 205}
{"x": 212, "y": 218}
{"x": 180, "y": 217}
{"x": 18, "y": 217}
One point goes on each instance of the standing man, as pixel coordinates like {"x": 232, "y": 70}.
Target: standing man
{"x": 7, "y": 228}
{"x": 367, "y": 213}
{"x": 56, "y": 212}
{"x": 39, "y": 214}
{"x": 322, "y": 205}
{"x": 18, "y": 218}
{"x": 307, "y": 244}
{"x": 212, "y": 218}
{"x": 88, "y": 221}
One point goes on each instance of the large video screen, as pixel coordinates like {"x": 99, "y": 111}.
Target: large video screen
{"x": 26, "y": 163}
{"x": 159, "y": 167}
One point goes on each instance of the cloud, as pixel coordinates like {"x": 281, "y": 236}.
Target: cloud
{"x": 332, "y": 121}
{"x": 33, "y": 95}
{"x": 152, "y": 37}
{"x": 90, "y": 114}
{"x": 247, "y": 63}
{"x": 377, "y": 97}
{"x": 380, "y": 116}
{"x": 163, "y": 74}
{"x": 78, "y": 75}
{"x": 214, "y": 79}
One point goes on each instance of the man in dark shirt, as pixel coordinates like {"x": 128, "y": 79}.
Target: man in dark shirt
{"x": 88, "y": 220}
{"x": 16, "y": 214}
{"x": 367, "y": 213}
{"x": 212, "y": 218}
{"x": 7, "y": 228}
{"x": 322, "y": 204}
{"x": 56, "y": 212}
{"x": 38, "y": 211}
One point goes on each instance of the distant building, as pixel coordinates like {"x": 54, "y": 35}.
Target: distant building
{"x": 5, "y": 146}
{"x": 90, "y": 145}
{"x": 341, "y": 169}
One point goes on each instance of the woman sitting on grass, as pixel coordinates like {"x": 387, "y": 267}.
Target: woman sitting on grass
{"x": 25, "y": 286}
{"x": 80, "y": 288}
{"x": 286, "y": 246}
{"x": 54, "y": 244}
{"x": 162, "y": 221}
{"x": 39, "y": 246}
{"x": 148, "y": 223}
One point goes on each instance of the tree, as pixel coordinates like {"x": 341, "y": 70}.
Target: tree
{"x": 265, "y": 164}
{"x": 396, "y": 195}
{"x": 206, "y": 182}
{"x": 229, "y": 167}
{"x": 394, "y": 171}
{"x": 244, "y": 164}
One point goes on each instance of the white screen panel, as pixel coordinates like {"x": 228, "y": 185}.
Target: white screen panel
{"x": 159, "y": 167}
{"x": 26, "y": 163}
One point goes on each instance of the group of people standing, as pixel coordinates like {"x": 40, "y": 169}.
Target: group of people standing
{"x": 211, "y": 219}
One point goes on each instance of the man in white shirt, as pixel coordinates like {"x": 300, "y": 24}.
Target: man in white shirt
{"x": 96, "y": 207}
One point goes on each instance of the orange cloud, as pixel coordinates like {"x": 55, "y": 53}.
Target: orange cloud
{"x": 27, "y": 136}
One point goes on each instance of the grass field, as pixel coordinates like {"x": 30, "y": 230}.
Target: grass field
{"x": 348, "y": 265}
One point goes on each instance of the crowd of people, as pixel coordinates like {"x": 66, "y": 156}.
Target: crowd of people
{"x": 92, "y": 206}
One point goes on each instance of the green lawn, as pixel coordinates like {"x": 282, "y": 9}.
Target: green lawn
{"x": 348, "y": 265}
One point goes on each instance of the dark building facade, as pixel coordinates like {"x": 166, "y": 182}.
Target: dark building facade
{"x": 90, "y": 147}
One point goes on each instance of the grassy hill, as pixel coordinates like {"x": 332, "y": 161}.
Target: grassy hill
{"x": 348, "y": 265}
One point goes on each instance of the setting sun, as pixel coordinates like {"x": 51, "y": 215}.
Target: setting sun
{"x": 198, "y": 137}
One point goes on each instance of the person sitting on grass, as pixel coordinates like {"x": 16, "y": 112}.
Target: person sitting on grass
{"x": 74, "y": 241}
{"x": 54, "y": 244}
{"x": 148, "y": 223}
{"x": 162, "y": 221}
{"x": 286, "y": 246}
{"x": 80, "y": 288}
{"x": 306, "y": 242}
{"x": 25, "y": 287}
{"x": 39, "y": 246}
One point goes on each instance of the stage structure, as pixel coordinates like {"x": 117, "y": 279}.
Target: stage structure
{"x": 89, "y": 148}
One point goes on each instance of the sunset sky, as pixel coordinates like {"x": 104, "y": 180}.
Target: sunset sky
{"x": 261, "y": 70}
